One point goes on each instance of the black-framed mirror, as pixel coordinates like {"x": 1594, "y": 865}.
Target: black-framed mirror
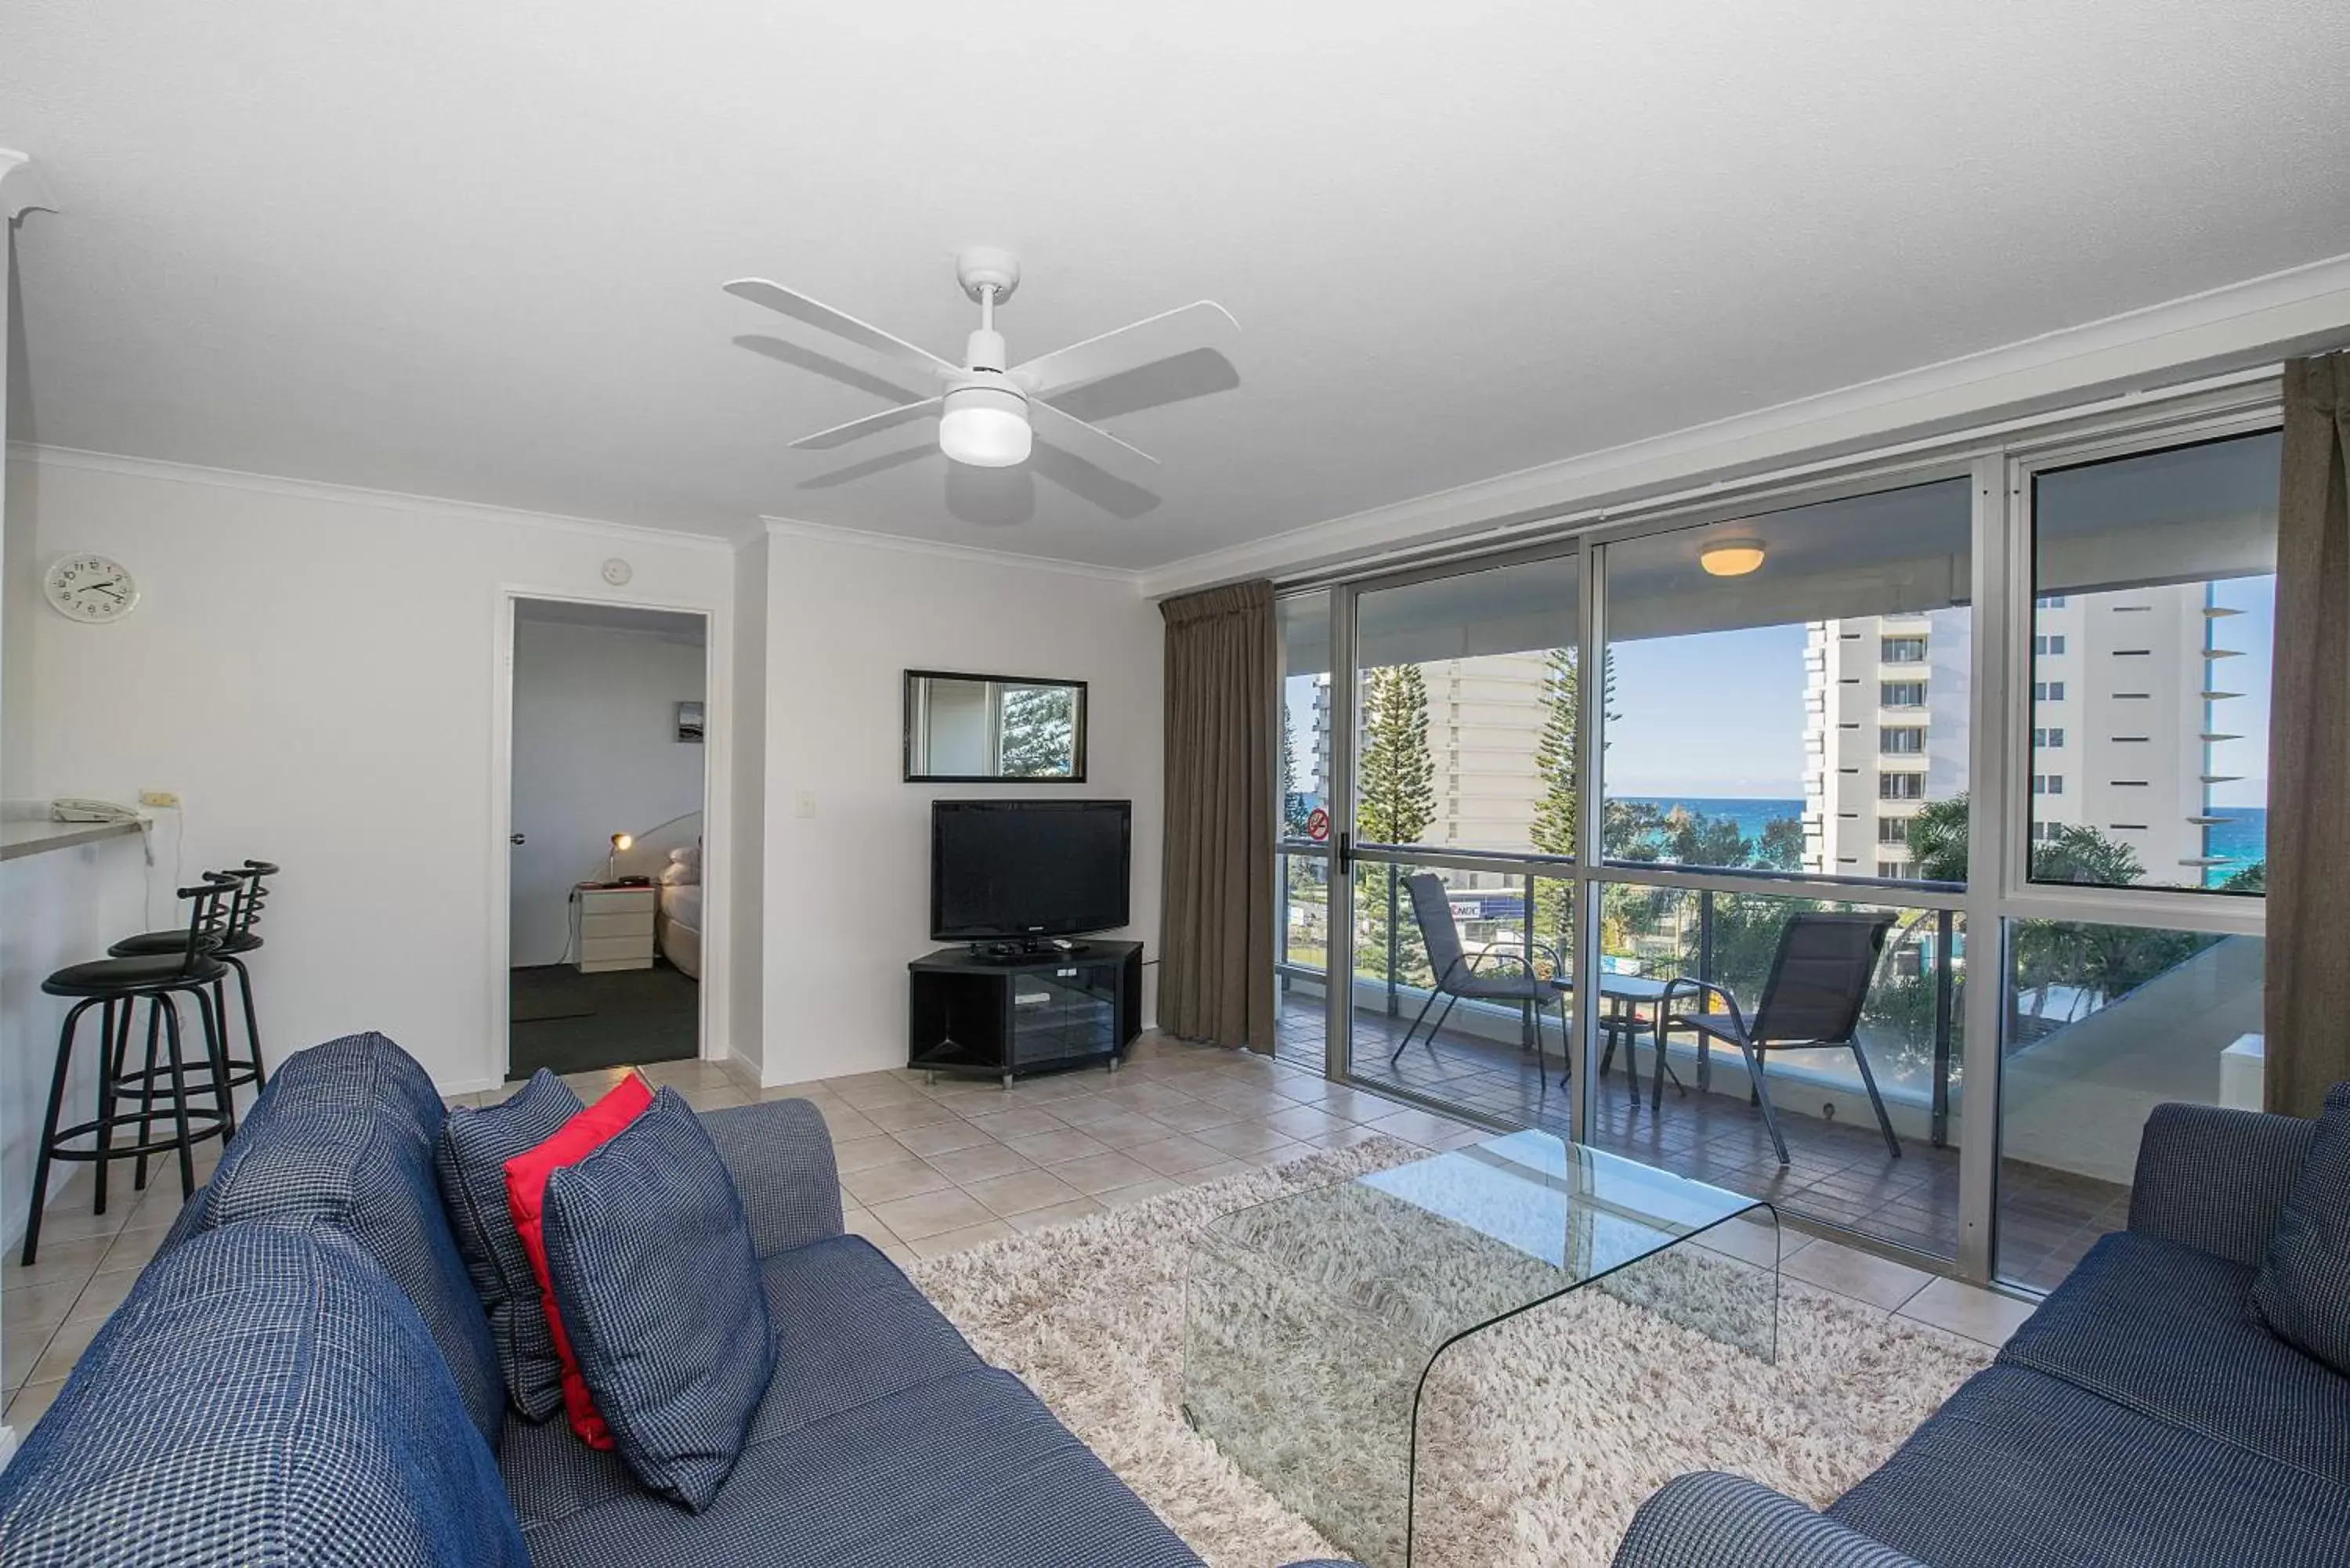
{"x": 986, "y": 729}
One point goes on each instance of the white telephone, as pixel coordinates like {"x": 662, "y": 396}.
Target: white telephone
{"x": 73, "y": 808}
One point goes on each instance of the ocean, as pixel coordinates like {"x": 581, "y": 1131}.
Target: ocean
{"x": 2241, "y": 841}
{"x": 1748, "y": 812}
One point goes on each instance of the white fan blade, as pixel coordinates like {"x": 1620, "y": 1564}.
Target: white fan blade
{"x": 887, "y": 418}
{"x": 840, "y": 324}
{"x": 1090, "y": 442}
{"x": 1205, "y": 325}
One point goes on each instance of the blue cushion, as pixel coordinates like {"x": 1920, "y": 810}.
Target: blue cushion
{"x": 266, "y": 1396}
{"x": 471, "y": 1156}
{"x": 2163, "y": 1329}
{"x": 651, "y": 1259}
{"x": 343, "y": 1134}
{"x": 780, "y": 1153}
{"x": 848, "y": 1329}
{"x": 2020, "y": 1468}
{"x": 2304, "y": 1291}
{"x": 968, "y": 1472}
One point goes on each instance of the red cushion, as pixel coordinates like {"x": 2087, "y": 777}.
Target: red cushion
{"x": 527, "y": 1175}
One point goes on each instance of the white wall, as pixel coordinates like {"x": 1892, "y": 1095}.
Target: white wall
{"x": 848, "y": 887}
{"x": 747, "y": 895}
{"x": 595, "y": 753}
{"x": 314, "y": 670}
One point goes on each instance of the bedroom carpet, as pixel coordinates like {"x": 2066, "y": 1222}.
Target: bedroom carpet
{"x": 1538, "y": 1438}
{"x": 574, "y": 1022}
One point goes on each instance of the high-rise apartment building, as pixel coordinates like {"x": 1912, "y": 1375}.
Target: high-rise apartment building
{"x": 1884, "y": 724}
{"x": 1485, "y": 716}
{"x": 2128, "y": 687}
{"x": 2129, "y": 690}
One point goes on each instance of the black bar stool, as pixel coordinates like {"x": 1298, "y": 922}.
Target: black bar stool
{"x": 236, "y": 938}
{"x": 117, "y": 985}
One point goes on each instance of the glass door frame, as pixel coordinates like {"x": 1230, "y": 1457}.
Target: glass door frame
{"x": 2000, "y": 466}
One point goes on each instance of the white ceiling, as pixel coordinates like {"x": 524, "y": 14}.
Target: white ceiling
{"x": 474, "y": 251}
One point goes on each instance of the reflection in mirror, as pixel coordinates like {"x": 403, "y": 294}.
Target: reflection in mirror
{"x": 962, "y": 729}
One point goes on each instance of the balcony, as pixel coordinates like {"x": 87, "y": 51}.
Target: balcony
{"x": 1838, "y": 1172}
{"x": 2102, "y": 1023}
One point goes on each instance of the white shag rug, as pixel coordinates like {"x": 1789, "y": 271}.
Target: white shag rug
{"x": 1537, "y": 1437}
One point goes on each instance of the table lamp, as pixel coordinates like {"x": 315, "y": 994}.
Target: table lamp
{"x": 611, "y": 862}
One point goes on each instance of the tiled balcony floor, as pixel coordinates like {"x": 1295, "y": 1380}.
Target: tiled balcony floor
{"x": 1838, "y": 1174}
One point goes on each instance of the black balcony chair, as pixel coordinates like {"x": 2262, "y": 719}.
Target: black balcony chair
{"x": 1460, "y": 973}
{"x": 1812, "y": 1001}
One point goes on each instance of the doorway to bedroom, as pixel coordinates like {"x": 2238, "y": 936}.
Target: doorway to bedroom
{"x": 608, "y": 787}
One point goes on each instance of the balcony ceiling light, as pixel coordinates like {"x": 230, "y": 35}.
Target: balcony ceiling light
{"x": 1730, "y": 557}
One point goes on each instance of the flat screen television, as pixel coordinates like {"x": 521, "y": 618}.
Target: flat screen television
{"x": 1010, "y": 870}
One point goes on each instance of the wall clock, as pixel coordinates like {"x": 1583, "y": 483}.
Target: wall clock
{"x": 91, "y": 588}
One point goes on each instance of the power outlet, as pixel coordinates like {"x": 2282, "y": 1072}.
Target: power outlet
{"x": 160, "y": 799}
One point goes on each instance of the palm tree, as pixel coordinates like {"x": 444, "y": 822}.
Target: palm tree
{"x": 1938, "y": 839}
{"x": 2082, "y": 855}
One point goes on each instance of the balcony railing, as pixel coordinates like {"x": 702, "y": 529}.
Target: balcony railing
{"x": 1923, "y": 957}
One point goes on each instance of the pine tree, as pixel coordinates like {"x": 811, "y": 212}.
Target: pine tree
{"x": 1395, "y": 800}
{"x": 1556, "y": 810}
{"x": 1292, "y": 810}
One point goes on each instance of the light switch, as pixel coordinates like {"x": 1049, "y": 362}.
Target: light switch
{"x": 803, "y": 804}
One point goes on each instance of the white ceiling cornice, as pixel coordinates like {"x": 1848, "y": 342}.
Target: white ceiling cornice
{"x": 2241, "y": 325}
{"x": 352, "y": 496}
{"x": 792, "y": 528}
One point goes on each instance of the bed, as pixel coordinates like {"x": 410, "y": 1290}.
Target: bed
{"x": 671, "y": 855}
{"x": 677, "y": 924}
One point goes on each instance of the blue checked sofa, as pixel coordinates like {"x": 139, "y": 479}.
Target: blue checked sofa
{"x": 2143, "y": 1418}
{"x": 304, "y": 1377}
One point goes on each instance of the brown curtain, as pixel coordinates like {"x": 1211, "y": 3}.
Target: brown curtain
{"x": 1216, "y": 911}
{"x": 2308, "y": 1004}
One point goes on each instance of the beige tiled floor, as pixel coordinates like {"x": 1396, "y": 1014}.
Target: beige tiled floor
{"x": 928, "y": 1169}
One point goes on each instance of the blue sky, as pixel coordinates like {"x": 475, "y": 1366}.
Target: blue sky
{"x": 2252, "y": 633}
{"x": 1718, "y": 714}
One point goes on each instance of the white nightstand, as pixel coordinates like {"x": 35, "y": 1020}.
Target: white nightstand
{"x": 612, "y": 928}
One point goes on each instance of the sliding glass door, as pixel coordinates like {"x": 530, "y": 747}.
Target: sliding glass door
{"x": 1464, "y": 822}
{"x": 1885, "y": 849}
{"x": 1787, "y": 743}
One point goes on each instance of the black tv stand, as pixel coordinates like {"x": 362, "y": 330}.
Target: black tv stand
{"x": 1006, "y": 1014}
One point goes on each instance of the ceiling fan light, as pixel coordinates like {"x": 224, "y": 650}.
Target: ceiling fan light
{"x": 984, "y": 427}
{"x": 1730, "y": 557}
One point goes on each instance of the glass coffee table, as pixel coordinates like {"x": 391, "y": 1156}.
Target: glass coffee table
{"x": 1311, "y": 1321}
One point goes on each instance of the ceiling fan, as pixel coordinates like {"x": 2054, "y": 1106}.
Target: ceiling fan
{"x": 989, "y": 410}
